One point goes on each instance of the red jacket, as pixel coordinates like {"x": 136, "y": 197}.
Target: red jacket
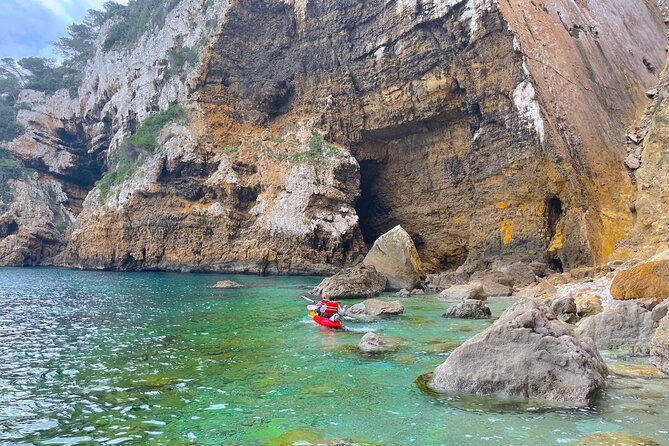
{"x": 329, "y": 307}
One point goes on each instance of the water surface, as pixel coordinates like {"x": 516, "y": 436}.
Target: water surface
{"x": 158, "y": 358}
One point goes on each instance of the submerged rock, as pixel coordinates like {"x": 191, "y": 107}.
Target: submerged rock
{"x": 227, "y": 284}
{"x": 659, "y": 351}
{"x": 527, "y": 353}
{"x": 622, "y": 325}
{"x": 394, "y": 255}
{"x": 469, "y": 309}
{"x": 373, "y": 309}
{"x": 616, "y": 439}
{"x": 360, "y": 282}
{"x": 371, "y": 343}
{"x": 472, "y": 290}
{"x": 649, "y": 279}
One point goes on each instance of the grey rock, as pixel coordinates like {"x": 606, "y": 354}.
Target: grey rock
{"x": 445, "y": 279}
{"x": 469, "y": 309}
{"x": 494, "y": 289}
{"x": 472, "y": 290}
{"x": 417, "y": 292}
{"x": 564, "y": 308}
{"x": 371, "y": 343}
{"x": 632, "y": 162}
{"x": 359, "y": 282}
{"x": 623, "y": 325}
{"x": 521, "y": 274}
{"x": 227, "y": 284}
{"x": 374, "y": 309}
{"x": 403, "y": 293}
{"x": 660, "y": 311}
{"x": 526, "y": 353}
{"x": 394, "y": 255}
{"x": 659, "y": 351}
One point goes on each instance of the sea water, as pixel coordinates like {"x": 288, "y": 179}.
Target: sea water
{"x": 159, "y": 358}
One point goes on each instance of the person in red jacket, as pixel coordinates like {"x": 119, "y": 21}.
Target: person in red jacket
{"x": 330, "y": 309}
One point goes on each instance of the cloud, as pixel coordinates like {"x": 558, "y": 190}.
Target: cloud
{"x": 29, "y": 27}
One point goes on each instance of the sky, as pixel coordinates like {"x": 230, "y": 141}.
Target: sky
{"x": 29, "y": 27}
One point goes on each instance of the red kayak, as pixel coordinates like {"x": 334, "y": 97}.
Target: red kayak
{"x": 325, "y": 322}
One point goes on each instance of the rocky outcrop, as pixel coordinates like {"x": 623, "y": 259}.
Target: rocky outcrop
{"x": 659, "y": 350}
{"x": 469, "y": 309}
{"x": 564, "y": 308}
{"x": 527, "y": 353}
{"x": 649, "y": 279}
{"x": 227, "y": 284}
{"x": 372, "y": 344}
{"x": 472, "y": 290}
{"x": 358, "y": 282}
{"x": 477, "y": 126}
{"x": 626, "y": 325}
{"x": 394, "y": 255}
{"x": 373, "y": 309}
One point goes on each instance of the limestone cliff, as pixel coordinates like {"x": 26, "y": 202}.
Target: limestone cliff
{"x": 491, "y": 130}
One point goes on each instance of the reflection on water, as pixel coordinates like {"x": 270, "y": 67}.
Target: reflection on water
{"x": 133, "y": 358}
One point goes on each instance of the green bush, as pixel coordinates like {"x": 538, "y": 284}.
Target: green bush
{"x": 9, "y": 128}
{"x": 181, "y": 57}
{"x": 138, "y": 17}
{"x": 146, "y": 134}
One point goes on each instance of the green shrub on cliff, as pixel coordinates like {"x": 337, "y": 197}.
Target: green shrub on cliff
{"x": 9, "y": 128}
{"x": 146, "y": 135}
{"x": 135, "y": 19}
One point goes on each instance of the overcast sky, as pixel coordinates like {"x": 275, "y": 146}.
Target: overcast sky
{"x": 29, "y": 27}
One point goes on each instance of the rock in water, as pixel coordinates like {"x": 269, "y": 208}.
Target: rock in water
{"x": 469, "y": 309}
{"x": 361, "y": 282}
{"x": 371, "y": 343}
{"x": 616, "y": 439}
{"x": 227, "y": 284}
{"x": 527, "y": 353}
{"x": 623, "y": 325}
{"x": 394, "y": 255}
{"x": 373, "y": 309}
{"x": 644, "y": 280}
{"x": 472, "y": 290}
{"x": 659, "y": 350}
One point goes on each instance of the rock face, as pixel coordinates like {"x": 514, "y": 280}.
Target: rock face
{"x": 469, "y": 309}
{"x": 472, "y": 290}
{"x": 477, "y": 126}
{"x": 394, "y": 255}
{"x": 644, "y": 280}
{"x": 622, "y": 325}
{"x": 659, "y": 351}
{"x": 526, "y": 353}
{"x": 371, "y": 344}
{"x": 372, "y": 309}
{"x": 361, "y": 282}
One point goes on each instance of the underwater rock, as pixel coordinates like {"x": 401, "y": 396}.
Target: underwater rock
{"x": 360, "y": 282}
{"x": 616, "y": 439}
{"x": 622, "y": 325}
{"x": 394, "y": 255}
{"x": 527, "y": 353}
{"x": 469, "y": 309}
{"x": 371, "y": 343}
{"x": 373, "y": 309}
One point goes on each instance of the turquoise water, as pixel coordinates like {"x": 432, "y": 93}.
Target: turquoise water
{"x": 157, "y": 358}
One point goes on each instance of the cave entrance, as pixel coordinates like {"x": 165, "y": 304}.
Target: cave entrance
{"x": 368, "y": 207}
{"x": 553, "y": 214}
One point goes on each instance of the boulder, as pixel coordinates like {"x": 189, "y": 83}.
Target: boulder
{"x": 371, "y": 344}
{"x": 359, "y": 282}
{"x": 649, "y": 279}
{"x": 622, "y": 325}
{"x": 660, "y": 311}
{"x": 403, "y": 293}
{"x": 445, "y": 279}
{"x": 494, "y": 289}
{"x": 472, "y": 290}
{"x": 588, "y": 306}
{"x": 225, "y": 284}
{"x": 521, "y": 274}
{"x": 659, "y": 350}
{"x": 539, "y": 268}
{"x": 373, "y": 309}
{"x": 469, "y": 309}
{"x": 418, "y": 292}
{"x": 526, "y": 353}
{"x": 492, "y": 276}
{"x": 564, "y": 308}
{"x": 394, "y": 255}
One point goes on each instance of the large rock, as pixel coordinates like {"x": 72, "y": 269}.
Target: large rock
{"x": 622, "y": 325}
{"x": 659, "y": 351}
{"x": 371, "y": 344}
{"x": 445, "y": 279}
{"x": 521, "y": 273}
{"x": 359, "y": 282}
{"x": 564, "y": 308}
{"x": 394, "y": 255}
{"x": 472, "y": 290}
{"x": 469, "y": 309}
{"x": 373, "y": 309}
{"x": 494, "y": 289}
{"x": 660, "y": 311}
{"x": 644, "y": 280}
{"x": 527, "y": 353}
{"x": 588, "y": 306}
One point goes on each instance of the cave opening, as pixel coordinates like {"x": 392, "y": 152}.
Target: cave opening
{"x": 553, "y": 215}
{"x": 368, "y": 206}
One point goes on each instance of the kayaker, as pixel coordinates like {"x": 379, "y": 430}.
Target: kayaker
{"x": 330, "y": 309}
